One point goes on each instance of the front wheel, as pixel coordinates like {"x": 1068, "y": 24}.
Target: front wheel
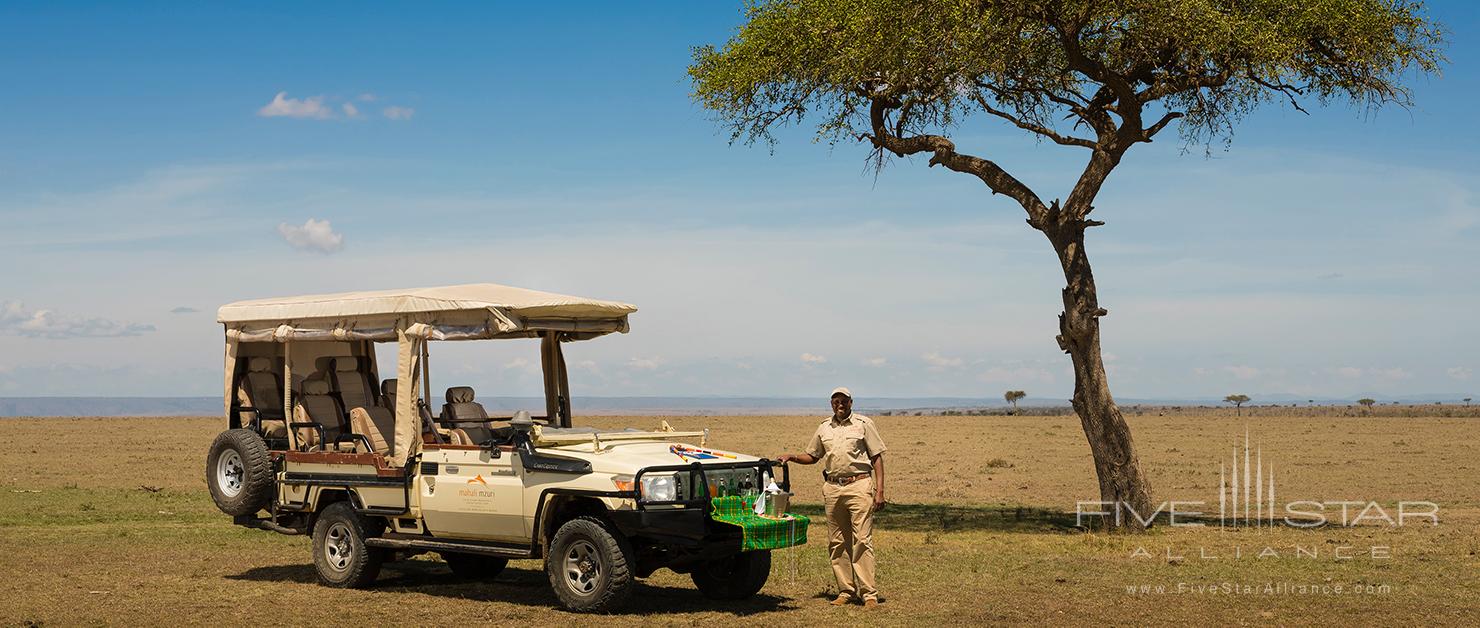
{"x": 340, "y": 554}
{"x": 733, "y": 577}
{"x": 590, "y": 566}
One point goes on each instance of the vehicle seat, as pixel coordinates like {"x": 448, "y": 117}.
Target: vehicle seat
{"x": 352, "y": 386}
{"x": 262, "y": 390}
{"x": 443, "y": 435}
{"x": 388, "y": 394}
{"x": 460, "y": 407}
{"x": 316, "y": 405}
{"x": 377, "y": 424}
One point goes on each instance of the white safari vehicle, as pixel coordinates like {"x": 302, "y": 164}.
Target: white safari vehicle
{"x": 322, "y": 440}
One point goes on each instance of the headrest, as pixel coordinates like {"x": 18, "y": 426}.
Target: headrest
{"x": 315, "y": 387}
{"x": 259, "y": 365}
{"x": 346, "y": 365}
{"x": 388, "y": 387}
{"x": 460, "y": 394}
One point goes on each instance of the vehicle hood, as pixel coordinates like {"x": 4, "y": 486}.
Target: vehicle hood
{"x": 630, "y": 456}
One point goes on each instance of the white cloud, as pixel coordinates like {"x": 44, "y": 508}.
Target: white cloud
{"x": 17, "y": 320}
{"x": 939, "y": 362}
{"x": 646, "y": 364}
{"x": 314, "y": 235}
{"x": 1349, "y": 372}
{"x": 284, "y": 107}
{"x": 1242, "y": 372}
{"x": 350, "y": 110}
{"x": 813, "y": 359}
{"x": 1391, "y": 374}
{"x": 367, "y": 97}
{"x": 1459, "y": 372}
{"x": 398, "y": 113}
{"x": 875, "y": 362}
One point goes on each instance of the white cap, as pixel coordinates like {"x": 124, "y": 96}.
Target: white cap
{"x": 841, "y": 390}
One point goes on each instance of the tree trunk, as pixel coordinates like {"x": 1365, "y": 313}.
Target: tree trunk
{"x": 1124, "y": 489}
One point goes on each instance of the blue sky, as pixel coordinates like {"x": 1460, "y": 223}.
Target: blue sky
{"x": 143, "y": 184}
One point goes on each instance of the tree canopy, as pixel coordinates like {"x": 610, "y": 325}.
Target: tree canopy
{"x": 1097, "y": 74}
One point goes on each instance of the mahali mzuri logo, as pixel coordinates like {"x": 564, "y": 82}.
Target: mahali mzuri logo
{"x": 1246, "y": 497}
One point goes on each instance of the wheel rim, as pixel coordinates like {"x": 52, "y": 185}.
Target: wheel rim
{"x": 582, "y": 567}
{"x": 338, "y": 551}
{"x": 230, "y": 473}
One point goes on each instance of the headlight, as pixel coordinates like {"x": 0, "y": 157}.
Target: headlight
{"x": 659, "y": 488}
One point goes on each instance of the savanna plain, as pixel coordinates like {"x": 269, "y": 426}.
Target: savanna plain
{"x": 107, "y": 521}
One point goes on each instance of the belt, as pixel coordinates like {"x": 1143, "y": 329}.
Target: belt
{"x": 844, "y": 480}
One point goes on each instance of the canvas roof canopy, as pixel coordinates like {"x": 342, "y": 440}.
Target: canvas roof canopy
{"x": 412, "y": 317}
{"x": 462, "y": 312}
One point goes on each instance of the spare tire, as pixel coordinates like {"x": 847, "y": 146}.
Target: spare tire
{"x": 239, "y": 472}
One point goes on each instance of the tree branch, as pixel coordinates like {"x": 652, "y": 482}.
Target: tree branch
{"x": 944, "y": 153}
{"x": 1094, "y": 117}
{"x": 1160, "y": 124}
{"x": 1029, "y": 126}
{"x": 1290, "y": 91}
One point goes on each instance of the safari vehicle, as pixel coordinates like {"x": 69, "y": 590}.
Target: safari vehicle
{"x": 313, "y": 446}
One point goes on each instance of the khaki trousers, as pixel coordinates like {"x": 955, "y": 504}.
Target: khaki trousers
{"x": 850, "y": 530}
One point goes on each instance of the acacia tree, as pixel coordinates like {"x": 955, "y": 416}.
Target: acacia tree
{"x": 1095, "y": 75}
{"x": 1238, "y": 402}
{"x": 1367, "y": 403}
{"x": 1012, "y": 397}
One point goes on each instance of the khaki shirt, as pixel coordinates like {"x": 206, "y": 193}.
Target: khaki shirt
{"x": 845, "y": 447}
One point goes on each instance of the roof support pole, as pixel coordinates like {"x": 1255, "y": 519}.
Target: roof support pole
{"x": 563, "y": 381}
{"x": 426, "y": 373}
{"x": 548, "y": 350}
{"x": 288, "y": 394}
{"x": 408, "y": 429}
{"x": 230, "y": 388}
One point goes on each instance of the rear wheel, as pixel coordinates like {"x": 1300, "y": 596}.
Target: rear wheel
{"x": 340, "y": 554}
{"x": 734, "y": 577}
{"x": 474, "y": 566}
{"x": 239, "y": 472}
{"x": 590, "y": 566}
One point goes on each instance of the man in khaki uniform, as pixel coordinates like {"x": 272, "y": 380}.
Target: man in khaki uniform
{"x": 852, "y": 455}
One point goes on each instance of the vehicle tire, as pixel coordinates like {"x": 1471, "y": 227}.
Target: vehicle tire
{"x": 474, "y": 566}
{"x": 239, "y": 472}
{"x": 590, "y": 566}
{"x": 734, "y": 577}
{"x": 339, "y": 552}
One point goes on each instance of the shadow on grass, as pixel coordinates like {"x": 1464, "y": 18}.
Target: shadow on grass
{"x": 953, "y": 518}
{"x": 524, "y": 586}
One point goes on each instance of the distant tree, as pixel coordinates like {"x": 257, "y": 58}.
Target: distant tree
{"x": 1467, "y": 401}
{"x": 1368, "y": 403}
{"x": 903, "y": 76}
{"x": 1238, "y": 402}
{"x": 1012, "y": 397}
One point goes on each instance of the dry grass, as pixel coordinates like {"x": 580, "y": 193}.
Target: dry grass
{"x": 980, "y": 531}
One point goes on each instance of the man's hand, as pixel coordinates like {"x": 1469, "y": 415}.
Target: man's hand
{"x": 797, "y": 458}
{"x": 879, "y": 502}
